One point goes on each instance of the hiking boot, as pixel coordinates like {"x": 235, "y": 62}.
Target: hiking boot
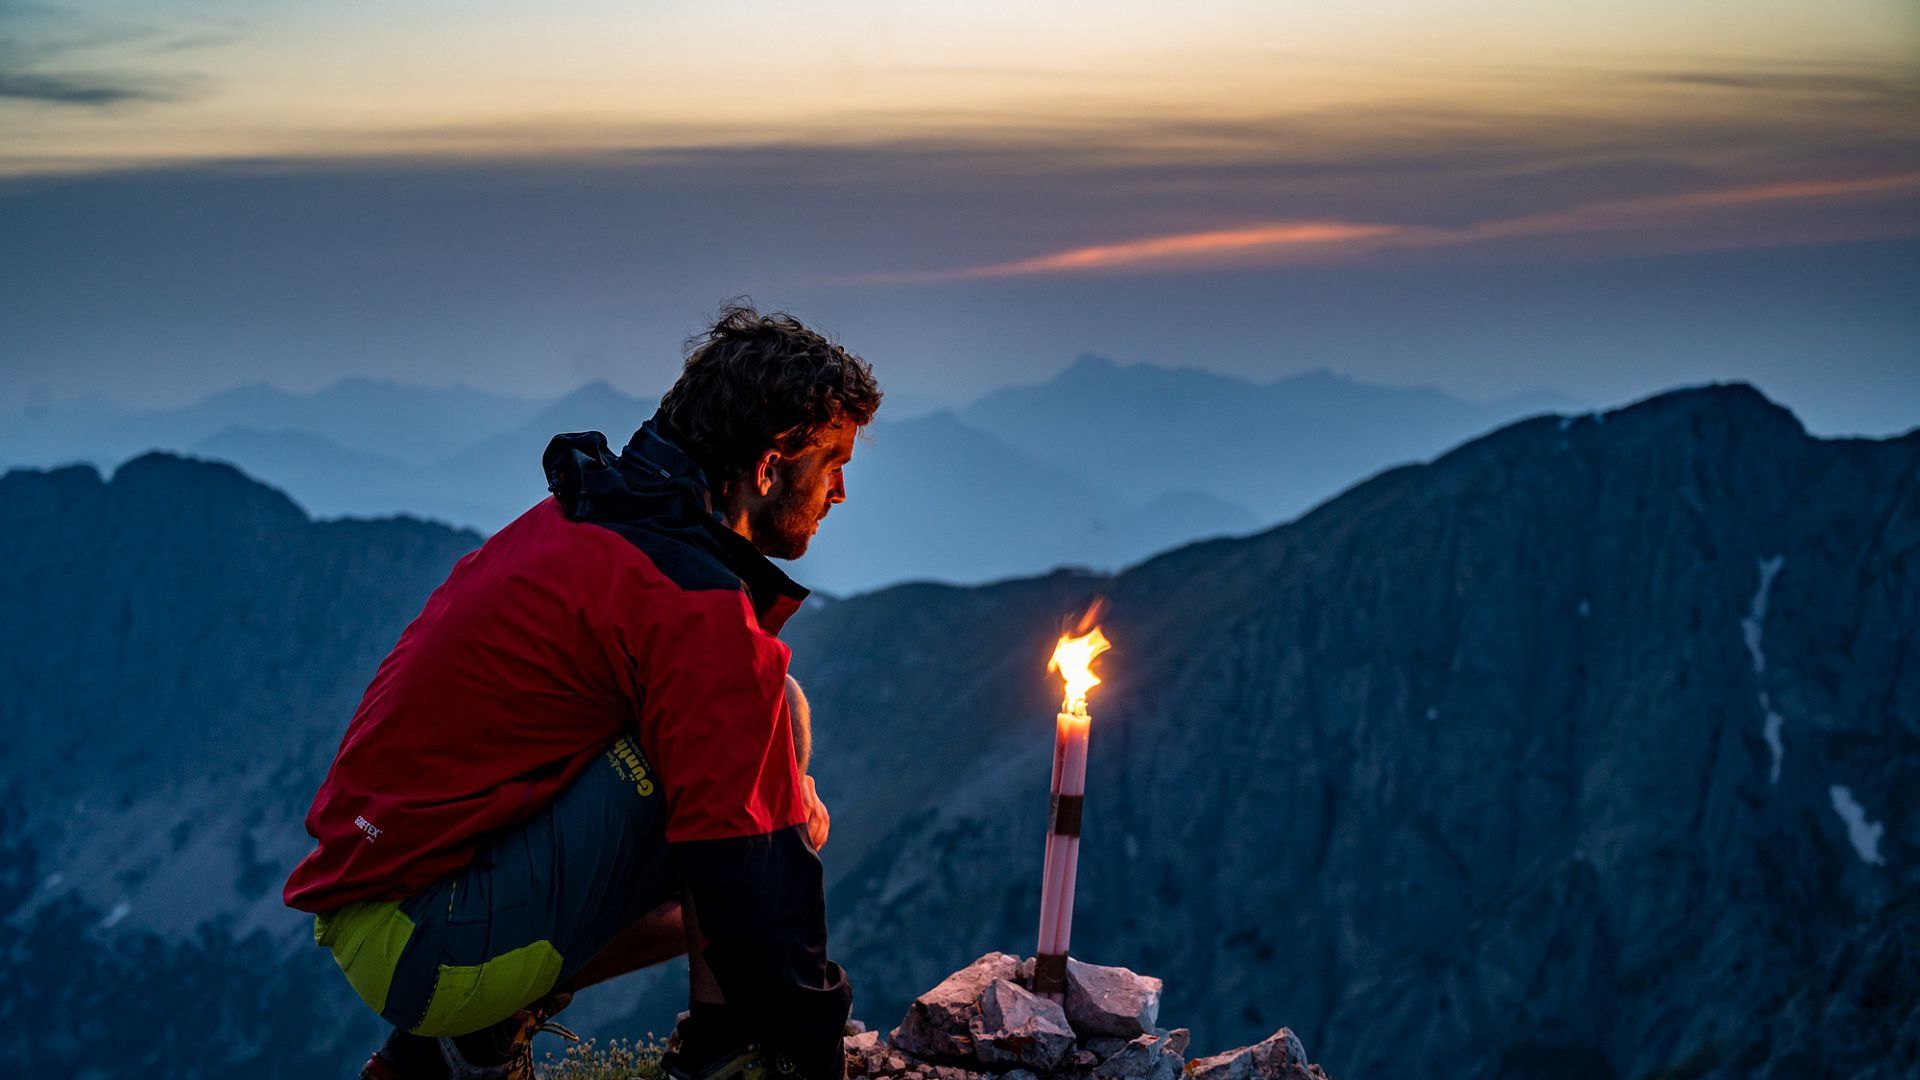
{"x": 501, "y": 1052}
{"x": 710, "y": 1043}
{"x": 743, "y": 1062}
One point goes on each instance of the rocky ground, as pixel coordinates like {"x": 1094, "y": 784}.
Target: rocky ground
{"x": 983, "y": 1021}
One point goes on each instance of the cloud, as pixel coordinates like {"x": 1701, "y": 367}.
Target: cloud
{"x": 1819, "y": 83}
{"x": 1209, "y": 248}
{"x": 38, "y": 44}
{"x": 1663, "y": 210}
{"x": 1272, "y": 243}
{"x": 193, "y": 41}
{"x": 77, "y": 89}
{"x": 1076, "y": 196}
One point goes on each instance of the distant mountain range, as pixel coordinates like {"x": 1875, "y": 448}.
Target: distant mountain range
{"x": 1588, "y": 749}
{"x": 369, "y": 416}
{"x": 1276, "y": 448}
{"x": 1098, "y": 467}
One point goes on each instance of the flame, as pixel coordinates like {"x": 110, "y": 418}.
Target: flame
{"x": 1073, "y": 659}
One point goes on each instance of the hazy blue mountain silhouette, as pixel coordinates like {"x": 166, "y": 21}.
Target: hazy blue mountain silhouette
{"x": 1099, "y": 467}
{"x": 375, "y": 416}
{"x": 49, "y": 432}
{"x": 935, "y": 499}
{"x": 1586, "y": 749}
{"x": 1277, "y": 447}
{"x": 369, "y": 416}
{"x": 323, "y": 476}
{"x": 500, "y": 476}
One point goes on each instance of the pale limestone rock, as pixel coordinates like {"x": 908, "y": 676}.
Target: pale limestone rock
{"x": 939, "y": 1022}
{"x": 1110, "y": 1001}
{"x": 1269, "y": 1059}
{"x": 1017, "y": 1027}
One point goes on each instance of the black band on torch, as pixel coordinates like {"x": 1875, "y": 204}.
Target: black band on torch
{"x": 1050, "y": 973}
{"x": 1065, "y": 814}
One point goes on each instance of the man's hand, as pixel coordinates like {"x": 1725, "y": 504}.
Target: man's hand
{"x": 818, "y": 820}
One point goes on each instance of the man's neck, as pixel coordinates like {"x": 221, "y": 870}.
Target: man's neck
{"x": 734, "y": 517}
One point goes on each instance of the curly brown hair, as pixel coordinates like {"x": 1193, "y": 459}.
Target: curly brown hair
{"x": 758, "y": 381}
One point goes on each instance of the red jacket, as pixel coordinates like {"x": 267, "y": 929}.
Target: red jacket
{"x": 620, "y": 604}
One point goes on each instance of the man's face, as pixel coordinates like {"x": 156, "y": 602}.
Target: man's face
{"x": 810, "y": 483}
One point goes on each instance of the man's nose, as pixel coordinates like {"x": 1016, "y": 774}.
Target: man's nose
{"x": 838, "y": 492}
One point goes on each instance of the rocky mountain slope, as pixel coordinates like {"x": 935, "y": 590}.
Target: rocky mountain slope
{"x": 1588, "y": 749}
{"x": 179, "y": 647}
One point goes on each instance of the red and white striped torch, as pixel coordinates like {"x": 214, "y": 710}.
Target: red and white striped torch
{"x": 1073, "y": 658}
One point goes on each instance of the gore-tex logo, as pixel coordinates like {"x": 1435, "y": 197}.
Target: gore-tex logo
{"x": 368, "y": 827}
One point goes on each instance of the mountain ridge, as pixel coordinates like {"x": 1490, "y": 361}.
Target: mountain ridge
{"x": 366, "y": 446}
{"x": 1360, "y": 669}
{"x": 1465, "y": 772}
{"x": 1278, "y": 447}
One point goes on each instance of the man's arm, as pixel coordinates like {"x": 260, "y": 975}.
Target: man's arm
{"x": 716, "y": 722}
{"x": 819, "y": 822}
{"x": 802, "y": 714}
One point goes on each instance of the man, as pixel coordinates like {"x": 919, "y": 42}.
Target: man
{"x": 588, "y": 720}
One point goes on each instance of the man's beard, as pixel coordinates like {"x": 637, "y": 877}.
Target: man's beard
{"x": 783, "y": 530}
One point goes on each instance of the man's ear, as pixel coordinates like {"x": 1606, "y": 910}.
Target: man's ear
{"x": 766, "y": 474}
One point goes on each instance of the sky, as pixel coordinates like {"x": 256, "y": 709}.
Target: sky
{"x": 1495, "y": 198}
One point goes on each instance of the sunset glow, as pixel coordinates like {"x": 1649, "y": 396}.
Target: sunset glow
{"x": 199, "y": 195}
{"x": 92, "y": 83}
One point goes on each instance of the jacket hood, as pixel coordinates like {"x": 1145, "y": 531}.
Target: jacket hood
{"x": 654, "y": 485}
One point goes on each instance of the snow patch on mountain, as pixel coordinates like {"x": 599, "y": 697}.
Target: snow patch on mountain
{"x": 1864, "y": 834}
{"x": 1771, "y": 731}
{"x": 1752, "y": 629}
{"x": 1753, "y": 625}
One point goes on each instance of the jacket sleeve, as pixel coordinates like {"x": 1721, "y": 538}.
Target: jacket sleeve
{"x": 715, "y": 721}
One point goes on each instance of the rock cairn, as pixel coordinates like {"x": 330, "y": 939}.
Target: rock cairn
{"x": 982, "y": 1023}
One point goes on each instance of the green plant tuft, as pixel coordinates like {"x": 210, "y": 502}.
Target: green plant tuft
{"x": 620, "y": 1059}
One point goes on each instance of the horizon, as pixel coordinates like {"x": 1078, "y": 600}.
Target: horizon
{"x": 954, "y": 576}
{"x": 919, "y": 407}
{"x": 612, "y": 382}
{"x": 467, "y": 459}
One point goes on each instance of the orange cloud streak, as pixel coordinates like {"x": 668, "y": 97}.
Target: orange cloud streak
{"x": 1185, "y": 247}
{"x": 1659, "y": 209}
{"x": 1798, "y": 189}
{"x": 1215, "y": 246}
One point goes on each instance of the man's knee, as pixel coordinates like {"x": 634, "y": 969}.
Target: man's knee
{"x": 406, "y": 972}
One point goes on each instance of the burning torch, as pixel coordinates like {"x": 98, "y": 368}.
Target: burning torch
{"x": 1073, "y": 658}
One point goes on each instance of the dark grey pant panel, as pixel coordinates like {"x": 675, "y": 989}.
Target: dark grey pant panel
{"x": 575, "y": 874}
